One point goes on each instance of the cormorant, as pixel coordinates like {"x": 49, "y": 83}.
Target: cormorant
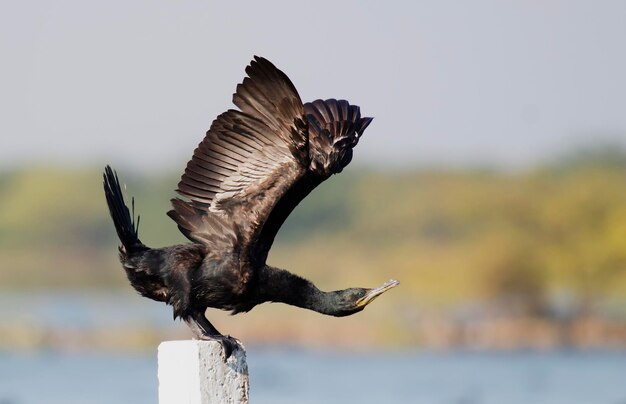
{"x": 253, "y": 167}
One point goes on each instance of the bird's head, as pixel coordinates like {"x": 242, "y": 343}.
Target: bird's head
{"x": 353, "y": 300}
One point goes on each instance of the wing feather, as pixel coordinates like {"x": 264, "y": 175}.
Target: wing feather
{"x": 257, "y": 163}
{"x": 246, "y": 161}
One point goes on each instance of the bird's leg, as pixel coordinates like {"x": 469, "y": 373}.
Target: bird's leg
{"x": 204, "y": 330}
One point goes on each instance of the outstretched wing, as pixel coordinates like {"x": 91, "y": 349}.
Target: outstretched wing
{"x": 253, "y": 166}
{"x": 245, "y": 163}
{"x": 335, "y": 127}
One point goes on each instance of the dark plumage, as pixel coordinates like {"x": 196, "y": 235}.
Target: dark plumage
{"x": 247, "y": 175}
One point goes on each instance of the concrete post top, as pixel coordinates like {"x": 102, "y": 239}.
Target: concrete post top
{"x": 194, "y": 372}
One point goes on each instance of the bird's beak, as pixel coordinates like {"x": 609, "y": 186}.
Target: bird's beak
{"x": 374, "y": 293}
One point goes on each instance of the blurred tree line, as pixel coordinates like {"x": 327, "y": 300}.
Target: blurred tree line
{"x": 528, "y": 241}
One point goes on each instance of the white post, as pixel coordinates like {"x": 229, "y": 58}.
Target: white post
{"x": 194, "y": 372}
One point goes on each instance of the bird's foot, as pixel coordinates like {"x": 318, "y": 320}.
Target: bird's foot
{"x": 229, "y": 344}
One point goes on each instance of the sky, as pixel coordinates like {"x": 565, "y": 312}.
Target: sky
{"x": 137, "y": 83}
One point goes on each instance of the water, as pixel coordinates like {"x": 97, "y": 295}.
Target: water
{"x": 280, "y": 376}
{"x": 304, "y": 376}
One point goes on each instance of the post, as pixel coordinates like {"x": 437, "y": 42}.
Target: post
{"x": 194, "y": 372}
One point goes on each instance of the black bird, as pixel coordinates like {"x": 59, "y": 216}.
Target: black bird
{"x": 253, "y": 167}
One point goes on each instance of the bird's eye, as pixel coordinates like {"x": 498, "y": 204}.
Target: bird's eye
{"x": 360, "y": 294}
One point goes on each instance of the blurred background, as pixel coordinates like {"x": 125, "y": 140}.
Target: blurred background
{"x": 492, "y": 184}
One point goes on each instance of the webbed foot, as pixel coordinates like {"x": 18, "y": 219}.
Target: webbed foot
{"x": 204, "y": 330}
{"x": 229, "y": 344}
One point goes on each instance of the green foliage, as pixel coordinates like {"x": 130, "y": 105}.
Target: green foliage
{"x": 448, "y": 236}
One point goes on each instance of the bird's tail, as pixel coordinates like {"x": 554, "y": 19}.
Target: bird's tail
{"x": 125, "y": 225}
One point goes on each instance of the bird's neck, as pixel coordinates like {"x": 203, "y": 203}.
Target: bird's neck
{"x": 279, "y": 285}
